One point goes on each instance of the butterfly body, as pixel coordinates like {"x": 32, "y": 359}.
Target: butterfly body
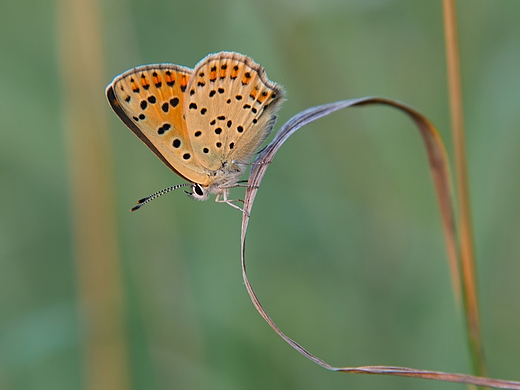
{"x": 204, "y": 123}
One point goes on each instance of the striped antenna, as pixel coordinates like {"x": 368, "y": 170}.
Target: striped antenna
{"x": 142, "y": 202}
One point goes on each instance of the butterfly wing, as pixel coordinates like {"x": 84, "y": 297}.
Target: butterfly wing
{"x": 150, "y": 101}
{"x": 230, "y": 109}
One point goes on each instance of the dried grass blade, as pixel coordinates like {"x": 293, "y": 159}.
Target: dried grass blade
{"x": 439, "y": 167}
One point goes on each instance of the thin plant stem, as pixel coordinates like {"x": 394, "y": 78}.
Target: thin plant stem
{"x": 467, "y": 256}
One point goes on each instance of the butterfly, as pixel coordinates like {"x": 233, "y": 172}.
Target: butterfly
{"x": 204, "y": 123}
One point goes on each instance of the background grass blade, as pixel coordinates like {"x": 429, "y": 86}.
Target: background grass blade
{"x": 95, "y": 239}
{"x": 467, "y": 255}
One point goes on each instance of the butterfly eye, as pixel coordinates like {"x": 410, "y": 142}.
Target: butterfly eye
{"x": 198, "y": 192}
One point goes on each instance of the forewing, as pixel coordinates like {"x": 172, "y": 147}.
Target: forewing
{"x": 150, "y": 101}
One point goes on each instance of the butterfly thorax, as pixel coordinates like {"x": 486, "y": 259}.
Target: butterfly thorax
{"x": 224, "y": 178}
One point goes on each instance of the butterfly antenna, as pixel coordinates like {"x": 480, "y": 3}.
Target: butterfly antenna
{"x": 149, "y": 198}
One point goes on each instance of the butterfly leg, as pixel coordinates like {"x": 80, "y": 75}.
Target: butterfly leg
{"x": 246, "y": 186}
{"x": 252, "y": 163}
{"x": 229, "y": 201}
{"x": 242, "y": 185}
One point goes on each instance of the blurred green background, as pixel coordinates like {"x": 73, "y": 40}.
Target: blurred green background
{"x": 345, "y": 247}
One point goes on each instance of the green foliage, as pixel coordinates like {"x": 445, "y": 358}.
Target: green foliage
{"x": 345, "y": 247}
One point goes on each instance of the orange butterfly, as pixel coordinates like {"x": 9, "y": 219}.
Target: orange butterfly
{"x": 205, "y": 123}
